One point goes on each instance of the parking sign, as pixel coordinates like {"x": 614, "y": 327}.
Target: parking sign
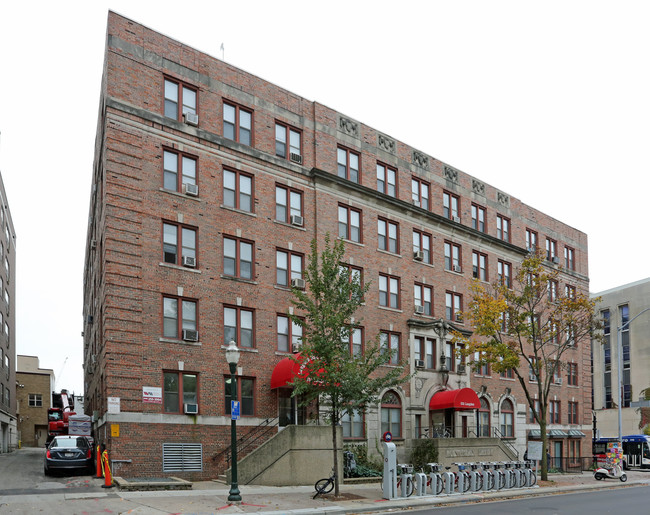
{"x": 234, "y": 410}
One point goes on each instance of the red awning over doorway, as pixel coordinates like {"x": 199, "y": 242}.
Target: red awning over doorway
{"x": 465, "y": 398}
{"x": 284, "y": 372}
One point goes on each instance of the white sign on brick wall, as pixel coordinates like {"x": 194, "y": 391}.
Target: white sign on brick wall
{"x": 113, "y": 404}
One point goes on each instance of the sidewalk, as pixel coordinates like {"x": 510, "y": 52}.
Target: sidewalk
{"x": 209, "y": 497}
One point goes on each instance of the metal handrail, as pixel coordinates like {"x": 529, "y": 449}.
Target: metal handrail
{"x": 249, "y": 438}
{"x": 497, "y": 433}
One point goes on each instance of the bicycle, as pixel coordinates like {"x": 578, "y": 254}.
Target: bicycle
{"x": 325, "y": 485}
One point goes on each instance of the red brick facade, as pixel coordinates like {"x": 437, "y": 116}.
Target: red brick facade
{"x": 127, "y": 276}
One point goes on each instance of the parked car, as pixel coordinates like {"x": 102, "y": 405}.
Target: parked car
{"x": 68, "y": 453}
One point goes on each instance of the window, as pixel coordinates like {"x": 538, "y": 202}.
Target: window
{"x": 179, "y": 99}
{"x": 504, "y": 273}
{"x": 237, "y": 123}
{"x": 288, "y": 266}
{"x": 572, "y": 374}
{"x": 386, "y": 180}
{"x": 391, "y": 414}
{"x": 423, "y": 296}
{"x": 355, "y": 341}
{"x": 420, "y": 193}
{"x": 551, "y": 249}
{"x": 353, "y": 426}
{"x": 178, "y": 170}
{"x": 531, "y": 240}
{"x": 554, "y": 412}
{"x": 179, "y": 389}
{"x": 179, "y": 244}
{"x": 453, "y": 306}
{"x": 287, "y": 142}
{"x": 452, "y": 257}
{"x": 507, "y": 374}
{"x": 425, "y": 350}
{"x": 570, "y": 291}
{"x": 552, "y": 290}
{"x": 422, "y": 244}
{"x": 483, "y": 419}
{"x": 289, "y": 334}
{"x": 35, "y": 400}
{"x": 238, "y": 190}
{"x": 288, "y": 204}
{"x": 573, "y": 413}
{"x": 626, "y": 386}
{"x": 503, "y": 228}
{"x": 389, "y": 343}
{"x": 237, "y": 258}
{"x": 479, "y": 266}
{"x": 532, "y": 369}
{"x": 350, "y": 224}
{"x": 388, "y": 235}
{"x": 531, "y": 413}
{"x": 238, "y": 326}
{"x": 454, "y": 356}
{"x": 179, "y": 314}
{"x": 481, "y": 369}
{"x": 507, "y": 419}
{"x": 389, "y": 291}
{"x": 478, "y": 218}
{"x": 348, "y": 164}
{"x": 355, "y": 273}
{"x": 569, "y": 260}
{"x": 245, "y": 394}
{"x": 450, "y": 206}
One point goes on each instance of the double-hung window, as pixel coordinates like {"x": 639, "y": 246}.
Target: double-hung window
{"x": 572, "y": 374}
{"x": 288, "y": 205}
{"x": 178, "y": 170}
{"x": 238, "y": 258}
{"x": 453, "y": 306}
{"x": 179, "y": 244}
{"x": 238, "y": 190}
{"x": 349, "y": 223}
{"x": 179, "y": 99}
{"x": 386, "y": 180}
{"x": 353, "y": 424}
{"x": 420, "y": 192}
{"x": 503, "y": 228}
{"x": 391, "y": 414}
{"x": 573, "y": 413}
{"x": 289, "y": 334}
{"x": 388, "y": 235}
{"x": 531, "y": 240}
{"x": 451, "y": 206}
{"x": 452, "y": 257}
{"x": 245, "y": 387}
{"x": 288, "y": 266}
{"x": 288, "y": 142}
{"x": 389, "y": 291}
{"x": 569, "y": 258}
{"x": 390, "y": 346}
{"x": 504, "y": 273}
{"x": 479, "y": 266}
{"x": 478, "y": 218}
{"x": 554, "y": 412}
{"x": 237, "y": 123}
{"x": 552, "y": 290}
{"x": 354, "y": 340}
{"x": 179, "y": 388}
{"x": 551, "y": 249}
{"x": 238, "y": 323}
{"x": 569, "y": 291}
{"x": 422, "y": 246}
{"x": 507, "y": 419}
{"x": 348, "y": 164}
{"x": 423, "y": 295}
{"x": 425, "y": 350}
{"x": 179, "y": 315}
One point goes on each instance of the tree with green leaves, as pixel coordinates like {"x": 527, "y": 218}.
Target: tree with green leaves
{"x": 529, "y": 327}
{"x": 342, "y": 379}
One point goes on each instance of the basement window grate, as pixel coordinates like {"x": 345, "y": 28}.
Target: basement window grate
{"x": 182, "y": 457}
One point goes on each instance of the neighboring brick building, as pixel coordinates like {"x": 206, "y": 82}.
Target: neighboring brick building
{"x": 8, "y": 421}
{"x": 209, "y": 184}
{"x": 34, "y": 397}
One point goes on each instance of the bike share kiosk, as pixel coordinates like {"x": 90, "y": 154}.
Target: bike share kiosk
{"x": 389, "y": 484}
{"x": 406, "y": 473}
{"x": 474, "y": 477}
{"x": 437, "y": 483}
{"x": 420, "y": 483}
{"x": 449, "y": 478}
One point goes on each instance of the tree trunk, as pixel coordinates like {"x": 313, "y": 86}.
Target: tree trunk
{"x": 545, "y": 453}
{"x": 335, "y": 448}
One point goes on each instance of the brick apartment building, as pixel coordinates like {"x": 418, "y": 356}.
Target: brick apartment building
{"x": 208, "y": 185}
{"x": 34, "y": 397}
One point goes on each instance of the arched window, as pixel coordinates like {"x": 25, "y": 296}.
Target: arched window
{"x": 483, "y": 418}
{"x": 391, "y": 414}
{"x": 507, "y": 419}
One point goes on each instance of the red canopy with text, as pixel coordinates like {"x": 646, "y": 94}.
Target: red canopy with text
{"x": 288, "y": 368}
{"x": 465, "y": 398}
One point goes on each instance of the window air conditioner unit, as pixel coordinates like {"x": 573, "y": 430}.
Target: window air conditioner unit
{"x": 298, "y": 283}
{"x": 190, "y": 408}
{"x": 296, "y": 220}
{"x": 296, "y": 158}
{"x": 418, "y": 255}
{"x": 416, "y": 202}
{"x": 189, "y": 261}
{"x": 456, "y": 219}
{"x": 419, "y": 363}
{"x": 419, "y": 309}
{"x": 190, "y": 335}
{"x": 456, "y": 268}
{"x": 295, "y": 348}
{"x": 191, "y": 190}
{"x": 558, "y": 380}
{"x": 191, "y": 119}
{"x": 556, "y": 260}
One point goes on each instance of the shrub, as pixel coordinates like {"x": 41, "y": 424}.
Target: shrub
{"x": 424, "y": 451}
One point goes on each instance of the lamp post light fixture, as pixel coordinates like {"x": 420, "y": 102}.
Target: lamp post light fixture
{"x": 232, "y": 357}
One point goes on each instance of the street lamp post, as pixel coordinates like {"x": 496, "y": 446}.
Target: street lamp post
{"x": 232, "y": 357}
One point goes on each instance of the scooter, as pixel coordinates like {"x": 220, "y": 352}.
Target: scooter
{"x": 616, "y": 472}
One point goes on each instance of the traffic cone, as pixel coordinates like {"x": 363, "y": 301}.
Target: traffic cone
{"x": 98, "y": 459}
{"x": 108, "y": 478}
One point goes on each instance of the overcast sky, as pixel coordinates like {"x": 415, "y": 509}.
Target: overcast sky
{"x": 547, "y": 101}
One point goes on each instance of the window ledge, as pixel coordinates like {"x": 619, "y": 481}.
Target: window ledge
{"x": 178, "y": 267}
{"x": 243, "y": 349}
{"x": 388, "y": 308}
{"x": 235, "y": 210}
{"x": 238, "y": 279}
{"x": 395, "y": 254}
{"x": 181, "y": 342}
{"x": 285, "y": 224}
{"x": 178, "y": 194}
{"x": 452, "y": 272}
{"x": 352, "y": 242}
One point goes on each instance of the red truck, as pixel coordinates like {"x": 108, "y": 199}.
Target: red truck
{"x": 59, "y": 414}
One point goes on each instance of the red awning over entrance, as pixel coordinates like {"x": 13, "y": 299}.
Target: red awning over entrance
{"x": 465, "y": 398}
{"x": 284, "y": 372}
